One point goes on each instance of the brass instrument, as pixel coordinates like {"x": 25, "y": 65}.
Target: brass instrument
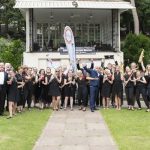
{"x": 122, "y": 68}
{"x": 141, "y": 56}
{"x": 128, "y": 79}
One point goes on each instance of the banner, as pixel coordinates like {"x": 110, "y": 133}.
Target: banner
{"x": 70, "y": 44}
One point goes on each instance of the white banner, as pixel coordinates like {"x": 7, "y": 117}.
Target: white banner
{"x": 70, "y": 44}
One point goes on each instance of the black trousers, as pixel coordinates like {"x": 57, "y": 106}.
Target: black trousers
{"x": 144, "y": 96}
{"x": 62, "y": 96}
{"x": 28, "y": 97}
{"x": 21, "y": 97}
{"x": 99, "y": 99}
{"x": 130, "y": 95}
{"x": 82, "y": 96}
{"x": 148, "y": 94}
{"x": 2, "y": 98}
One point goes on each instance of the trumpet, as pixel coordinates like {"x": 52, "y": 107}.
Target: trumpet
{"x": 141, "y": 56}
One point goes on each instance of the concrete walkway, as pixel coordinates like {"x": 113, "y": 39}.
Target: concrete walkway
{"x": 75, "y": 130}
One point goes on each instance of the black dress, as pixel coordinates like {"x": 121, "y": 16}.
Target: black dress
{"x": 129, "y": 89}
{"x": 147, "y": 77}
{"x": 42, "y": 90}
{"x": 69, "y": 89}
{"x": 13, "y": 91}
{"x": 82, "y": 91}
{"x": 54, "y": 88}
{"x": 117, "y": 87}
{"x": 48, "y": 98}
{"x": 106, "y": 89}
{"x": 21, "y": 98}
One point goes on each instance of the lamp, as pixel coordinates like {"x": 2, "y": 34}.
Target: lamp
{"x": 51, "y": 16}
{"x": 91, "y": 16}
{"x": 75, "y": 4}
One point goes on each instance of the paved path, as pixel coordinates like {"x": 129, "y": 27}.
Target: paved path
{"x": 75, "y": 130}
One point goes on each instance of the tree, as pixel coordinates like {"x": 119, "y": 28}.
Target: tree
{"x": 11, "y": 17}
{"x": 143, "y": 11}
{"x": 133, "y": 46}
{"x": 12, "y": 51}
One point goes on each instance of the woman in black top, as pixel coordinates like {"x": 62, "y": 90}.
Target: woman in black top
{"x": 141, "y": 89}
{"x": 106, "y": 88}
{"x": 28, "y": 87}
{"x": 117, "y": 88}
{"x": 20, "y": 82}
{"x": 54, "y": 89}
{"x": 42, "y": 82}
{"x": 147, "y": 77}
{"x": 48, "y": 98}
{"x": 69, "y": 83}
{"x": 35, "y": 86}
{"x": 129, "y": 88}
{"x": 82, "y": 90}
{"x": 62, "y": 86}
{"x": 12, "y": 94}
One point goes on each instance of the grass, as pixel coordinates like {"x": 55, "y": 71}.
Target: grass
{"x": 130, "y": 129}
{"x": 22, "y": 131}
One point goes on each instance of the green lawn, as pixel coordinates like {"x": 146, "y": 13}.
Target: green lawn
{"x": 22, "y": 131}
{"x": 130, "y": 129}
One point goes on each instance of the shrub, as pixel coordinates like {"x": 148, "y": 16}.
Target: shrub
{"x": 12, "y": 51}
{"x": 133, "y": 46}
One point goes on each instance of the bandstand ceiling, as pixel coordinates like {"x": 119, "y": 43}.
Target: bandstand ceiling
{"x": 71, "y": 15}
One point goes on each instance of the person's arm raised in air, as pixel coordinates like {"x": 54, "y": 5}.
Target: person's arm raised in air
{"x": 86, "y": 69}
{"x": 92, "y": 64}
{"x": 78, "y": 65}
{"x": 143, "y": 67}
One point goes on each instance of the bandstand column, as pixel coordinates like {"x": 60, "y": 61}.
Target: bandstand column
{"x": 118, "y": 30}
{"x": 27, "y": 31}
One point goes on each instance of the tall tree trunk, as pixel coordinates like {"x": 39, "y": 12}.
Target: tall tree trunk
{"x": 135, "y": 18}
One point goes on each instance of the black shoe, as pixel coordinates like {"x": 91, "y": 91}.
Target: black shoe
{"x": 96, "y": 108}
{"x": 9, "y": 117}
{"x": 92, "y": 110}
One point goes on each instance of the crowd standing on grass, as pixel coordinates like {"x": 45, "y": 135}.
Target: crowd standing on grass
{"x": 97, "y": 86}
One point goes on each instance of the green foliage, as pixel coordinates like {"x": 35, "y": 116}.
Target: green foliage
{"x": 133, "y": 46}
{"x": 11, "y": 51}
{"x": 13, "y": 17}
{"x": 143, "y": 10}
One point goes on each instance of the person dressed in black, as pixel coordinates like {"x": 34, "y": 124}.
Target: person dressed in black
{"x": 106, "y": 88}
{"x": 63, "y": 76}
{"x": 35, "y": 86}
{"x": 129, "y": 88}
{"x": 42, "y": 82}
{"x": 141, "y": 89}
{"x": 85, "y": 74}
{"x": 99, "y": 99}
{"x": 147, "y": 77}
{"x": 54, "y": 89}
{"x": 3, "y": 87}
{"x": 69, "y": 83}
{"x": 28, "y": 87}
{"x": 82, "y": 90}
{"x": 20, "y": 82}
{"x": 12, "y": 94}
{"x": 117, "y": 87}
{"x": 48, "y": 98}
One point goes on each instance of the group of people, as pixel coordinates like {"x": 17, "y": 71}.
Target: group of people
{"x": 95, "y": 86}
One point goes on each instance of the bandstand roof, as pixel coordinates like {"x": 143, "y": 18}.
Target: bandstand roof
{"x": 83, "y": 4}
